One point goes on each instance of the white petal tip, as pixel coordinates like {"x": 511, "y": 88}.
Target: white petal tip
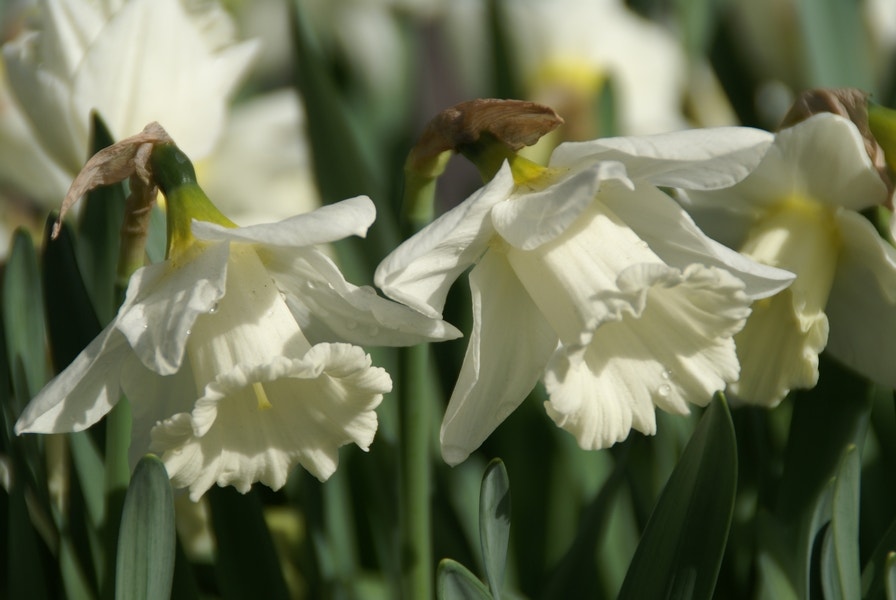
{"x": 454, "y": 455}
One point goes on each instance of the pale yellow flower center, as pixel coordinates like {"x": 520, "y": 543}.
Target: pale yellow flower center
{"x": 799, "y": 235}
{"x": 571, "y": 86}
{"x": 779, "y": 346}
{"x": 261, "y": 396}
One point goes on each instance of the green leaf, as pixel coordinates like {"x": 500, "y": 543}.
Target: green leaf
{"x": 455, "y": 582}
{"x": 71, "y": 319}
{"x": 891, "y": 576}
{"x": 840, "y": 567}
{"x": 248, "y": 565}
{"x": 99, "y": 235}
{"x": 682, "y": 546}
{"x": 146, "y": 542}
{"x": 344, "y": 162}
{"x": 875, "y": 572}
{"x": 825, "y": 421}
{"x": 494, "y": 523}
{"x": 23, "y": 317}
{"x": 836, "y": 44}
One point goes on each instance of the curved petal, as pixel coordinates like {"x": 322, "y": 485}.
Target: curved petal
{"x": 153, "y": 398}
{"x": 83, "y": 393}
{"x": 509, "y": 347}
{"x": 821, "y": 159}
{"x": 330, "y": 309}
{"x": 164, "y": 301}
{"x": 862, "y": 304}
{"x": 563, "y": 275}
{"x": 826, "y": 156}
{"x": 529, "y": 220}
{"x": 329, "y": 223}
{"x": 47, "y": 102}
{"x": 665, "y": 339}
{"x": 421, "y": 270}
{"x": 702, "y": 159}
{"x": 312, "y": 406}
{"x": 673, "y": 235}
{"x": 778, "y": 350}
{"x": 151, "y": 63}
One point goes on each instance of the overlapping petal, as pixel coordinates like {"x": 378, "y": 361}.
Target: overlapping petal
{"x": 83, "y": 393}
{"x": 327, "y": 224}
{"x": 530, "y": 220}
{"x": 167, "y": 298}
{"x": 673, "y": 235}
{"x": 509, "y": 345}
{"x": 329, "y": 308}
{"x": 696, "y": 159}
{"x": 421, "y": 270}
{"x": 666, "y": 341}
{"x": 862, "y": 304}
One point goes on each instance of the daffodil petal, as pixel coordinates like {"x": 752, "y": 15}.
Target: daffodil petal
{"x": 532, "y": 219}
{"x": 330, "y": 309}
{"x": 800, "y": 163}
{"x": 317, "y": 404}
{"x": 329, "y": 223}
{"x": 845, "y": 177}
{"x": 83, "y": 393}
{"x": 166, "y": 299}
{"x": 673, "y": 235}
{"x": 509, "y": 346}
{"x": 152, "y": 399}
{"x": 862, "y": 304}
{"x": 152, "y": 50}
{"x": 421, "y": 270}
{"x": 44, "y": 93}
{"x": 709, "y": 158}
{"x": 665, "y": 339}
{"x": 778, "y": 350}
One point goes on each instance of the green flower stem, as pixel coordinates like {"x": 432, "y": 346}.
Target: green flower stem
{"x": 415, "y": 406}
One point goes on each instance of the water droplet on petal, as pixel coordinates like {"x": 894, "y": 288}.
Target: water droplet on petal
{"x": 213, "y": 309}
{"x": 189, "y": 331}
{"x": 145, "y": 326}
{"x": 664, "y": 390}
{"x": 667, "y": 374}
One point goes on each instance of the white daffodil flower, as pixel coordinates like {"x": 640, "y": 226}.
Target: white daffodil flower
{"x": 799, "y": 211}
{"x": 567, "y": 50}
{"x": 591, "y": 277}
{"x": 232, "y": 357}
{"x": 132, "y": 61}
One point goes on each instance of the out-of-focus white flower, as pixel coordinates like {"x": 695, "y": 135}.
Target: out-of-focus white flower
{"x": 799, "y": 211}
{"x": 133, "y": 61}
{"x": 568, "y": 49}
{"x": 231, "y": 352}
{"x": 263, "y": 148}
{"x": 590, "y": 276}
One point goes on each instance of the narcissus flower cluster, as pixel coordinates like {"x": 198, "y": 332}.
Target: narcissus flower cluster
{"x": 239, "y": 352}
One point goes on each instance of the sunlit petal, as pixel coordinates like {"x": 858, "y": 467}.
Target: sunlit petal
{"x": 509, "y": 346}
{"x": 314, "y": 405}
{"x": 421, "y": 270}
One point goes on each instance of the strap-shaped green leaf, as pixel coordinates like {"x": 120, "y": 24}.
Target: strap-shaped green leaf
{"x": 494, "y": 523}
{"x": 23, "y": 319}
{"x": 145, "y": 561}
{"x": 455, "y": 582}
{"x": 840, "y": 555}
{"x": 247, "y": 565}
{"x": 681, "y": 550}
